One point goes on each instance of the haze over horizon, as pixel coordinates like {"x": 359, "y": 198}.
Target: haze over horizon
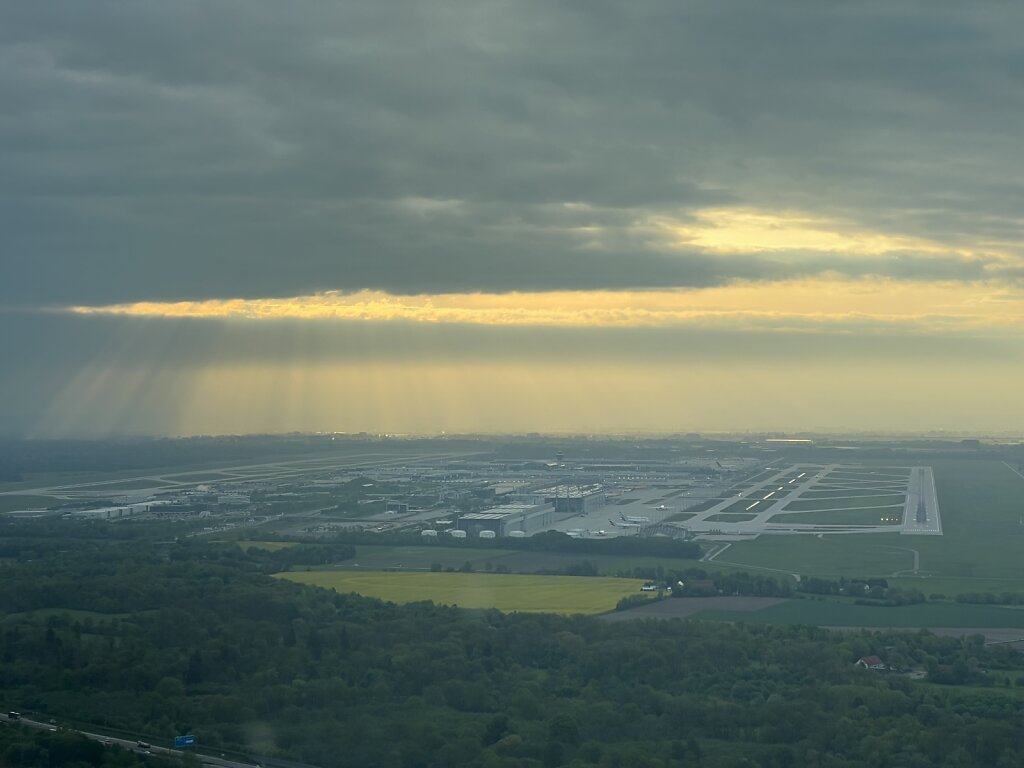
{"x": 492, "y": 217}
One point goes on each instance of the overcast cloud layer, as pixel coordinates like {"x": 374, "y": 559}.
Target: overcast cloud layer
{"x": 186, "y": 150}
{"x": 841, "y": 183}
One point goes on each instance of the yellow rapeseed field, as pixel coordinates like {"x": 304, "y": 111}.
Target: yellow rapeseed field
{"x": 506, "y": 592}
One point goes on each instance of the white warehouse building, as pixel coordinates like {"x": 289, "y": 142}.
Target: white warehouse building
{"x": 521, "y": 517}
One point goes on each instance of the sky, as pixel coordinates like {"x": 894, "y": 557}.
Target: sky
{"x": 492, "y": 216}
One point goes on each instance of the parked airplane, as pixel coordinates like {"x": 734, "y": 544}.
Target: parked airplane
{"x": 625, "y": 524}
{"x": 635, "y": 518}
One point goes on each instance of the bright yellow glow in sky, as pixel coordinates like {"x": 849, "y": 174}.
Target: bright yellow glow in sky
{"x": 825, "y": 300}
{"x": 404, "y": 397}
{"x": 745, "y": 230}
{"x": 821, "y": 374}
{"x": 934, "y": 306}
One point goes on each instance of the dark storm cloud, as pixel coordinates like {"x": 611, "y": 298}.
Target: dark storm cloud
{"x": 189, "y": 150}
{"x": 247, "y": 248}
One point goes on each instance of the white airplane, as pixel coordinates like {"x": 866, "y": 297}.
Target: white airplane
{"x": 634, "y": 519}
{"x": 624, "y": 525}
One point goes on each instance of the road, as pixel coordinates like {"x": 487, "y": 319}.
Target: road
{"x": 713, "y": 555}
{"x": 917, "y": 560}
{"x": 1010, "y": 467}
{"x": 128, "y": 744}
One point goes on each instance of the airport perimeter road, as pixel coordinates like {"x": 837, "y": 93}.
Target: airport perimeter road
{"x": 1010, "y": 467}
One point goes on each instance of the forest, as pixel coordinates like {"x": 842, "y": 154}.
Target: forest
{"x": 152, "y": 640}
{"x": 67, "y": 749}
{"x": 548, "y": 541}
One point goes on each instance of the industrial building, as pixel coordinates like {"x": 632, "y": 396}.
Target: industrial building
{"x": 504, "y": 520}
{"x": 568, "y": 498}
{"x": 114, "y": 513}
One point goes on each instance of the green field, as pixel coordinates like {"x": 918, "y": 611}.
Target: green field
{"x": 845, "y": 503}
{"x": 861, "y": 489}
{"x": 17, "y": 502}
{"x": 936, "y": 585}
{"x": 838, "y": 494}
{"x": 871, "y": 472}
{"x": 372, "y": 557}
{"x": 731, "y": 517}
{"x": 740, "y": 507}
{"x": 859, "y": 485}
{"x": 835, "y": 613}
{"x": 828, "y": 556}
{"x": 53, "y": 480}
{"x": 506, "y": 592}
{"x": 980, "y": 502}
{"x": 873, "y": 516}
{"x": 257, "y": 466}
{"x": 698, "y": 507}
{"x": 762, "y": 475}
{"x": 119, "y": 485}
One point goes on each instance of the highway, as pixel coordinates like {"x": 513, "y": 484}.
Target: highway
{"x": 133, "y": 746}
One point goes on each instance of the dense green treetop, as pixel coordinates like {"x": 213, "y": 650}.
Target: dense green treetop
{"x": 197, "y": 638}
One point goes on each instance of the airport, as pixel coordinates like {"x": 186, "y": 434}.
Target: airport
{"x": 725, "y": 498}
